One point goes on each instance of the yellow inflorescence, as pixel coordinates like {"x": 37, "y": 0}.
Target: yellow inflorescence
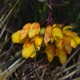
{"x": 58, "y": 41}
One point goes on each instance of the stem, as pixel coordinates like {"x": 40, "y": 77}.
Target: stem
{"x": 49, "y": 18}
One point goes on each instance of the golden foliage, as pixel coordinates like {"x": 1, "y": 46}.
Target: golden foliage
{"x": 24, "y": 31}
{"x": 58, "y": 41}
{"x": 50, "y": 51}
{"x": 62, "y": 55}
{"x": 28, "y": 50}
{"x": 34, "y": 30}
{"x": 16, "y": 37}
{"x": 38, "y": 42}
{"x": 57, "y": 32}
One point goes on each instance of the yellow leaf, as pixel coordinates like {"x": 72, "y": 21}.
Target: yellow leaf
{"x": 77, "y": 39}
{"x": 50, "y": 57}
{"x": 62, "y": 56}
{"x": 24, "y": 40}
{"x": 57, "y": 25}
{"x": 42, "y": 31}
{"x": 67, "y": 44}
{"x": 33, "y": 55}
{"x": 59, "y": 43}
{"x": 24, "y": 31}
{"x": 56, "y": 32}
{"x": 67, "y": 27}
{"x": 38, "y": 42}
{"x": 26, "y": 43}
{"x": 26, "y": 26}
{"x": 50, "y": 51}
{"x": 52, "y": 39}
{"x": 28, "y": 50}
{"x": 34, "y": 30}
{"x": 48, "y": 29}
{"x": 47, "y": 38}
{"x": 73, "y": 43}
{"x": 23, "y": 34}
{"x": 57, "y": 52}
{"x": 74, "y": 38}
{"x": 69, "y": 33}
{"x": 16, "y": 37}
